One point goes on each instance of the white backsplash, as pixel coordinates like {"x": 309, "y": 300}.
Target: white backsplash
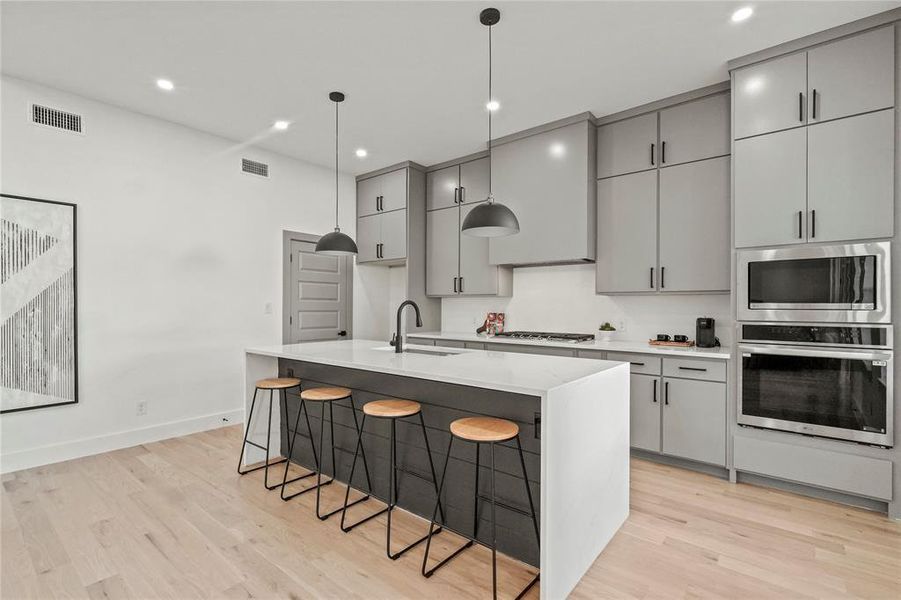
{"x": 562, "y": 298}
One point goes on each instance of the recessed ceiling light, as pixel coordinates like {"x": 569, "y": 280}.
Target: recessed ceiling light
{"x": 493, "y": 105}
{"x": 741, "y": 14}
{"x": 165, "y": 84}
{"x": 361, "y": 153}
{"x": 280, "y": 125}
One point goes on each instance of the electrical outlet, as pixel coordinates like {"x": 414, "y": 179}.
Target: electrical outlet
{"x": 620, "y": 325}
{"x": 141, "y": 408}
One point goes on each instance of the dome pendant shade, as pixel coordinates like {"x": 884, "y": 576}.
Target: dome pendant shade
{"x": 490, "y": 219}
{"x": 336, "y": 244}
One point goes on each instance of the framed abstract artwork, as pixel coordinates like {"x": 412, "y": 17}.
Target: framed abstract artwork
{"x": 38, "y": 309}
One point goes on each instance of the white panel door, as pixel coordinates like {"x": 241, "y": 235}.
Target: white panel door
{"x": 477, "y": 276}
{"x": 442, "y": 251}
{"x": 644, "y": 413}
{"x": 627, "y": 233}
{"x": 852, "y": 76}
{"x": 694, "y": 226}
{"x": 770, "y": 96}
{"x": 695, "y": 130}
{"x": 318, "y": 306}
{"x": 771, "y": 189}
{"x": 627, "y": 146}
{"x": 850, "y": 178}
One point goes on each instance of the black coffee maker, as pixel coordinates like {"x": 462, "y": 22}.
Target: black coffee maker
{"x": 705, "y": 335}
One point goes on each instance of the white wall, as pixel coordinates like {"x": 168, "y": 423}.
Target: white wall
{"x": 562, "y": 298}
{"x": 178, "y": 254}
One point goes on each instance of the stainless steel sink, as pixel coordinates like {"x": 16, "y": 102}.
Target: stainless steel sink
{"x": 420, "y": 350}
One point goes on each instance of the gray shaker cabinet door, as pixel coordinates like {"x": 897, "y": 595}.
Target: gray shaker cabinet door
{"x": 852, "y": 76}
{"x": 442, "y": 251}
{"x": 394, "y": 190}
{"x": 644, "y": 413}
{"x": 474, "y": 181}
{"x": 695, "y": 130}
{"x": 368, "y": 192}
{"x": 627, "y": 233}
{"x": 626, "y": 146}
{"x": 477, "y": 276}
{"x": 368, "y": 237}
{"x": 770, "y": 96}
{"x": 771, "y": 189}
{"x": 694, "y": 420}
{"x": 394, "y": 234}
{"x": 441, "y": 187}
{"x": 850, "y": 178}
{"x": 694, "y": 226}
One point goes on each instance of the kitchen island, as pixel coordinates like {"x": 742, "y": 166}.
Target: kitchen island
{"x": 573, "y": 416}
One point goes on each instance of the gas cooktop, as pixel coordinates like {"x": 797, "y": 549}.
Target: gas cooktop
{"x": 544, "y": 336}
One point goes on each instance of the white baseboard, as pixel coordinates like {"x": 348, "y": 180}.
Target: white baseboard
{"x": 45, "y": 455}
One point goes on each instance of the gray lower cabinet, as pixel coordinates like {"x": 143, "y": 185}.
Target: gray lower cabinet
{"x": 850, "y": 178}
{"x": 442, "y": 251}
{"x": 627, "y": 146}
{"x": 627, "y": 233}
{"x": 769, "y": 96}
{"x": 644, "y": 412}
{"x": 771, "y": 189}
{"x": 694, "y": 226}
{"x": 694, "y": 420}
{"x": 695, "y": 130}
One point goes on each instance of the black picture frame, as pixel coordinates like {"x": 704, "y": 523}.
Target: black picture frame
{"x": 74, "y": 208}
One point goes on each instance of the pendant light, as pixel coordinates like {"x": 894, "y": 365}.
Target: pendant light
{"x": 336, "y": 243}
{"x": 490, "y": 219}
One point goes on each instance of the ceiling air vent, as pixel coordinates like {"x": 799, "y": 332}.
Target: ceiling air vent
{"x": 58, "y": 119}
{"x": 254, "y": 168}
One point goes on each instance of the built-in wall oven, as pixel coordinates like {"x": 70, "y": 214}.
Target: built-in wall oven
{"x": 832, "y": 381}
{"x": 843, "y": 283}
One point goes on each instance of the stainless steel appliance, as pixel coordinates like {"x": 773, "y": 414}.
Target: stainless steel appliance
{"x": 832, "y": 381}
{"x": 845, "y": 283}
{"x": 545, "y": 336}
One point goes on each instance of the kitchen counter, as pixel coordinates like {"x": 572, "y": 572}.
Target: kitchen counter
{"x": 573, "y": 418}
{"x": 722, "y": 353}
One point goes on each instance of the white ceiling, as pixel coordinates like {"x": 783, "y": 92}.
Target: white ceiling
{"x": 414, "y": 72}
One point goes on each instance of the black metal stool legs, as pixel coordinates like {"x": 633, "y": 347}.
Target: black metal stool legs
{"x": 428, "y": 542}
{"x": 522, "y": 462}
{"x": 266, "y": 464}
{"x": 285, "y": 482}
{"x": 323, "y": 517}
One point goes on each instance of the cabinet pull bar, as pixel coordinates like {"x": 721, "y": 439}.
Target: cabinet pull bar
{"x": 666, "y": 393}
{"x": 813, "y": 97}
{"x": 801, "y": 106}
{"x": 813, "y": 223}
{"x": 800, "y": 224}
{"x": 455, "y": 285}
{"x": 462, "y": 194}
{"x": 662, "y": 277}
{"x": 637, "y": 364}
{"x": 692, "y": 369}
{"x": 461, "y": 284}
{"x": 654, "y": 396}
{"x": 651, "y": 284}
{"x": 456, "y": 195}
{"x": 662, "y": 152}
{"x": 652, "y": 154}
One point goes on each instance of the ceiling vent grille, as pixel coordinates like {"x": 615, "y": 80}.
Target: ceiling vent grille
{"x": 254, "y": 168}
{"x": 58, "y": 119}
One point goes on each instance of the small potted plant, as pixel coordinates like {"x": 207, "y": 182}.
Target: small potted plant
{"x": 605, "y": 332}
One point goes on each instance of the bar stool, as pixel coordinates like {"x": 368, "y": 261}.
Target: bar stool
{"x": 392, "y": 410}
{"x": 328, "y": 395}
{"x": 482, "y": 430}
{"x": 282, "y": 385}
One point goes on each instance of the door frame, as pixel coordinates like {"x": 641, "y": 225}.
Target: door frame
{"x": 292, "y": 236}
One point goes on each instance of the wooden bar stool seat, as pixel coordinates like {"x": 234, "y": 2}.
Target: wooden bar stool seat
{"x": 484, "y": 429}
{"x": 391, "y": 409}
{"x": 278, "y": 383}
{"x": 325, "y": 394}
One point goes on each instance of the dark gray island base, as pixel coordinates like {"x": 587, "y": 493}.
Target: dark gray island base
{"x": 441, "y": 404}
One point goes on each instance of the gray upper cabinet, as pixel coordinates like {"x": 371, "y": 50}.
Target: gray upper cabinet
{"x": 394, "y": 190}
{"x": 694, "y": 420}
{"x": 369, "y": 235}
{"x": 850, "y": 178}
{"x": 477, "y": 276}
{"x": 771, "y": 189}
{"x": 393, "y": 235}
{"x": 694, "y": 226}
{"x": 770, "y": 96}
{"x": 368, "y": 196}
{"x": 474, "y": 181}
{"x": 547, "y": 179}
{"x": 382, "y": 217}
{"x": 627, "y": 233}
{"x": 442, "y": 188}
{"x": 627, "y": 146}
{"x": 851, "y": 76}
{"x": 694, "y": 130}
{"x": 442, "y": 251}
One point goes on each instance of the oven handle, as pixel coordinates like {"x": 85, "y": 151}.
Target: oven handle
{"x": 813, "y": 352}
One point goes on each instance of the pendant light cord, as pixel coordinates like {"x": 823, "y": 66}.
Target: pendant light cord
{"x": 336, "y": 166}
{"x": 490, "y": 197}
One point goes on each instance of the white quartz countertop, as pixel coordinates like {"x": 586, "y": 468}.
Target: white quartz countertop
{"x": 596, "y": 345}
{"x": 519, "y": 373}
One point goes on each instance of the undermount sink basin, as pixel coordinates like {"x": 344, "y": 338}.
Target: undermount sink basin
{"x": 419, "y": 351}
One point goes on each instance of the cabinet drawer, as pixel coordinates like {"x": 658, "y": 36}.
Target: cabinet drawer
{"x": 694, "y": 368}
{"x": 450, "y": 343}
{"x": 638, "y": 363}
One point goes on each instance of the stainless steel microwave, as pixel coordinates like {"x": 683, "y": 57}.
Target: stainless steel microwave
{"x": 845, "y": 283}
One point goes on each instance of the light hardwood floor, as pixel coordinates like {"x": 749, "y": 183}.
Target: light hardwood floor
{"x": 173, "y": 520}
